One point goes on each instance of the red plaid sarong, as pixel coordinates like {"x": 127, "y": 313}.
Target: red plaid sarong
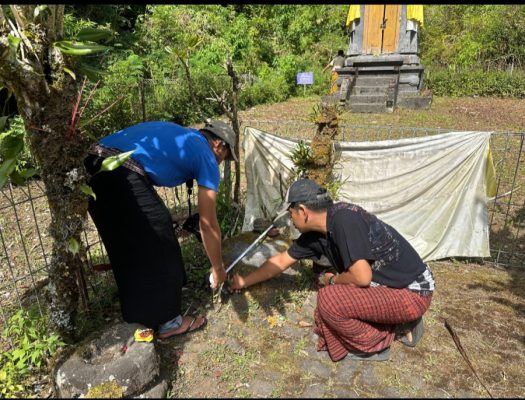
{"x": 349, "y": 318}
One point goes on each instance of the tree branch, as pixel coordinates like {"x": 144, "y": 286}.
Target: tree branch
{"x": 59, "y": 26}
{"x": 190, "y": 85}
{"x": 18, "y": 18}
{"x": 2, "y": 18}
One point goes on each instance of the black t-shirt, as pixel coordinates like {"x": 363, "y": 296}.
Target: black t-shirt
{"x": 355, "y": 234}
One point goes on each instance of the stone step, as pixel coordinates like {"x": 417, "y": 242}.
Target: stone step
{"x": 381, "y": 80}
{"x": 368, "y": 108}
{"x": 367, "y": 99}
{"x": 378, "y": 68}
{"x": 407, "y": 94}
{"x": 414, "y": 102}
{"x": 369, "y": 89}
{"x": 408, "y": 89}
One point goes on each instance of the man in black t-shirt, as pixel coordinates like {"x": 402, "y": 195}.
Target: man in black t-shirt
{"x": 382, "y": 287}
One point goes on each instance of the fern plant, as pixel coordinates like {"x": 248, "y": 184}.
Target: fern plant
{"x": 301, "y": 156}
{"x": 31, "y": 346}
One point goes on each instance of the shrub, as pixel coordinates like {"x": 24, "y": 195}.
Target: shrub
{"x": 31, "y": 346}
{"x": 14, "y": 150}
{"x": 475, "y": 82}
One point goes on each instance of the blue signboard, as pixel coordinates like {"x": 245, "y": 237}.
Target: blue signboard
{"x": 305, "y": 78}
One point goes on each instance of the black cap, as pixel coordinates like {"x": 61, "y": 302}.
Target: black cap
{"x": 303, "y": 191}
{"x": 225, "y": 132}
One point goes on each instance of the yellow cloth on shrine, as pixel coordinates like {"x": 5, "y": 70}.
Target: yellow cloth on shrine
{"x": 354, "y": 12}
{"x": 333, "y": 82}
{"x": 414, "y": 12}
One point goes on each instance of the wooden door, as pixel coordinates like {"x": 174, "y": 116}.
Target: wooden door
{"x": 381, "y": 29}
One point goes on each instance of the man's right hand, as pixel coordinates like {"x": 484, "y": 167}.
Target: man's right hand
{"x": 217, "y": 276}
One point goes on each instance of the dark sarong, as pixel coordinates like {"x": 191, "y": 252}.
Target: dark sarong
{"x": 363, "y": 319}
{"x": 137, "y": 231}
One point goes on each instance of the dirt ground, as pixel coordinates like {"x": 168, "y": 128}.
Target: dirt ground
{"x": 463, "y": 113}
{"x": 260, "y": 343}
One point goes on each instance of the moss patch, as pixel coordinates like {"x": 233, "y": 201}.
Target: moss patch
{"x": 105, "y": 390}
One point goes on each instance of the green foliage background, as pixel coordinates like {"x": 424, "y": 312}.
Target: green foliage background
{"x": 474, "y": 50}
{"x": 467, "y": 50}
{"x": 268, "y": 46}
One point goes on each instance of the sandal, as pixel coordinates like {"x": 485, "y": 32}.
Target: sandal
{"x": 382, "y": 355}
{"x": 416, "y": 328}
{"x": 191, "y": 327}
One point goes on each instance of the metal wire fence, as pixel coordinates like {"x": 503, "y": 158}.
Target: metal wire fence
{"x": 506, "y": 209}
{"x": 25, "y": 245}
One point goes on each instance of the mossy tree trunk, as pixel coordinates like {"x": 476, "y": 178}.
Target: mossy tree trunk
{"x": 45, "y": 95}
{"x": 322, "y": 148}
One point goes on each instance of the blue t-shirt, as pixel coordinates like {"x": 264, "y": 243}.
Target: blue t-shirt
{"x": 170, "y": 154}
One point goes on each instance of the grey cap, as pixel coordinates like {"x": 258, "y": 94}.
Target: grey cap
{"x": 303, "y": 191}
{"x": 225, "y": 132}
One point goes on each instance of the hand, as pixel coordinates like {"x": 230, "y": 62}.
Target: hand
{"x": 327, "y": 277}
{"x": 217, "y": 277}
{"x": 237, "y": 283}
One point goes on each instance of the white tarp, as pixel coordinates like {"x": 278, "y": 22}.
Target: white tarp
{"x": 431, "y": 189}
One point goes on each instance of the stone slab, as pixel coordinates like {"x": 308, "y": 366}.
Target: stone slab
{"x": 414, "y": 102}
{"x": 102, "y": 360}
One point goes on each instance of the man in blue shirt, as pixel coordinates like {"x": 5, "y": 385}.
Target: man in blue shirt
{"x": 135, "y": 224}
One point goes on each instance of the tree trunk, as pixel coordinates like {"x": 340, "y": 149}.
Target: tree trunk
{"x": 236, "y": 124}
{"x": 60, "y": 156}
{"x": 45, "y": 96}
{"x": 191, "y": 89}
{"x": 322, "y": 145}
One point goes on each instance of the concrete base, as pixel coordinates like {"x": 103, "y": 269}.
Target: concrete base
{"x": 368, "y": 108}
{"x": 414, "y": 102}
{"x": 378, "y": 84}
{"x": 391, "y": 59}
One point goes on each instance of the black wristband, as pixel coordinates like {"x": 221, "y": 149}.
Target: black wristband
{"x": 331, "y": 280}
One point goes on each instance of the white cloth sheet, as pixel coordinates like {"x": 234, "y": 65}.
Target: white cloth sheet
{"x": 431, "y": 189}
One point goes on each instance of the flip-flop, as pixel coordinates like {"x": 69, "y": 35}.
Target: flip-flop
{"x": 416, "y": 327}
{"x": 383, "y": 355}
{"x": 171, "y": 332}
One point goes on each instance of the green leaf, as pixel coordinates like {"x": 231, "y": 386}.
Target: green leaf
{"x": 88, "y": 190}
{"x": 7, "y": 167}
{"x": 12, "y": 146}
{"x": 113, "y": 162}
{"x": 73, "y": 245}
{"x": 41, "y": 9}
{"x": 28, "y": 173}
{"x": 75, "y": 48}
{"x": 70, "y": 73}
{"x": 91, "y": 72}
{"x": 94, "y": 34}
{"x": 16, "y": 178}
{"x": 3, "y": 120}
{"x": 14, "y": 42}
{"x": 18, "y": 354}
